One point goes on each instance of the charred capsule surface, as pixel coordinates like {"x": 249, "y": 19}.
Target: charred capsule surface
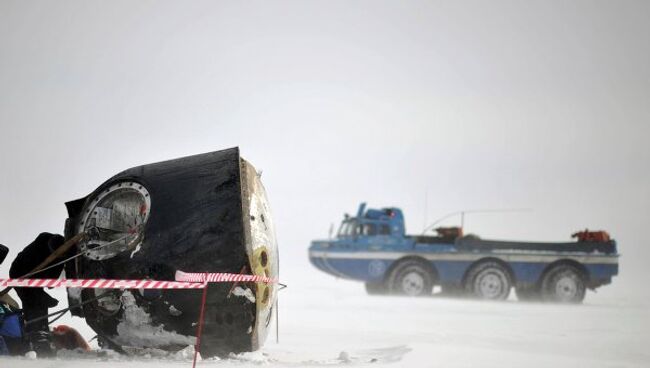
{"x": 203, "y": 213}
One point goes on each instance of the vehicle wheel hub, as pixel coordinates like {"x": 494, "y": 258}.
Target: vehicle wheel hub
{"x": 413, "y": 283}
{"x": 490, "y": 286}
{"x": 566, "y": 288}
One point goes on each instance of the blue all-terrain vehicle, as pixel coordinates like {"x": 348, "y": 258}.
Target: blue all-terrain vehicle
{"x": 373, "y": 247}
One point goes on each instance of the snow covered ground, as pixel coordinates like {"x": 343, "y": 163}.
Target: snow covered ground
{"x": 329, "y": 322}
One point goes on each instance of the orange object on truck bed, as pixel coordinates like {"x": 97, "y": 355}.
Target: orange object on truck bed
{"x": 591, "y": 236}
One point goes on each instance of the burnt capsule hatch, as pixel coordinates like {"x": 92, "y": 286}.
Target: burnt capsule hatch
{"x": 114, "y": 219}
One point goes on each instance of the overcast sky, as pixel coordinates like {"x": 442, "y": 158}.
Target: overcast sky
{"x": 426, "y": 105}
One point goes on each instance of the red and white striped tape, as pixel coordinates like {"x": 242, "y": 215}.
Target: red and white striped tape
{"x": 222, "y": 277}
{"x": 99, "y": 284}
{"x": 184, "y": 280}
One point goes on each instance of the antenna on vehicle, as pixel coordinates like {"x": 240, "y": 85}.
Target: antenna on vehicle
{"x": 463, "y": 212}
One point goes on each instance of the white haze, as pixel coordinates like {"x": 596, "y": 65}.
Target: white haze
{"x": 469, "y": 105}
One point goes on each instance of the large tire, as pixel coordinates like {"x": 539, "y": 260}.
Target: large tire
{"x": 564, "y": 284}
{"x": 376, "y": 288}
{"x": 528, "y": 294}
{"x": 488, "y": 280}
{"x": 412, "y": 278}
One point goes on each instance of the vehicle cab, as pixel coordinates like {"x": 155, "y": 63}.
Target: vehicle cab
{"x": 370, "y": 230}
{"x": 372, "y": 222}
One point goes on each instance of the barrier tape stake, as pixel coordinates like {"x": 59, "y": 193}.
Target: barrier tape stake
{"x": 197, "y": 348}
{"x": 277, "y": 320}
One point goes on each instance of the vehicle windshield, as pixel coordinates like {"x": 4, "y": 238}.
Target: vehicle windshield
{"x": 348, "y": 228}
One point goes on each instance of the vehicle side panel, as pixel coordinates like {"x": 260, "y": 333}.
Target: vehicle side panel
{"x": 451, "y": 267}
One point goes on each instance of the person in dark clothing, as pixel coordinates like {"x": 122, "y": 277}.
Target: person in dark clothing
{"x": 11, "y": 329}
{"x": 3, "y": 346}
{"x": 35, "y": 301}
{"x": 4, "y": 297}
{"x": 11, "y": 326}
{"x": 3, "y": 253}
